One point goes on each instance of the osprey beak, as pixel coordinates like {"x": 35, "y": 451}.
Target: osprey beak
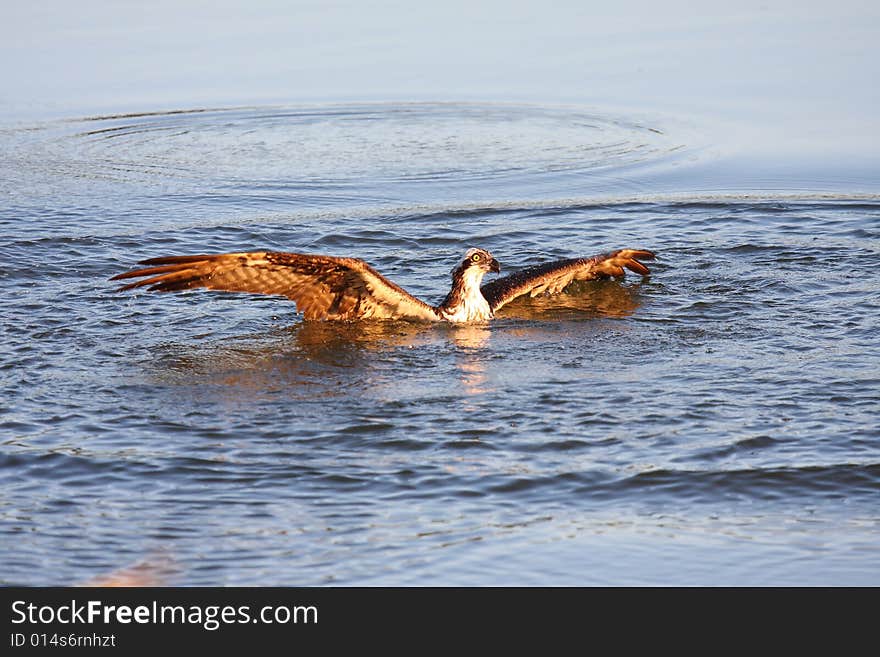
{"x": 495, "y": 266}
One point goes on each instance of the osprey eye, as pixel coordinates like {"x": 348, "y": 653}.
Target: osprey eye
{"x": 475, "y": 257}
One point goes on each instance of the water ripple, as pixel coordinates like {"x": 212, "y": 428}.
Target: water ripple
{"x": 731, "y": 395}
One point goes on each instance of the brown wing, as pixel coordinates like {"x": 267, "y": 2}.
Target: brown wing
{"x": 553, "y": 277}
{"x": 323, "y": 287}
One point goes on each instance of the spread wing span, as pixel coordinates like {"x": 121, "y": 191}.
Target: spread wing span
{"x": 323, "y": 287}
{"x": 553, "y": 277}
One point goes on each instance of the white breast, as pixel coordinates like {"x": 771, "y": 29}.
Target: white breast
{"x": 468, "y": 312}
{"x": 473, "y": 307}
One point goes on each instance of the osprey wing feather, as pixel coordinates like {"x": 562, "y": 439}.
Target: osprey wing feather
{"x": 323, "y": 287}
{"x": 553, "y": 277}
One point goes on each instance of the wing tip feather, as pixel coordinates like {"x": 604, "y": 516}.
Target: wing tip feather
{"x": 302, "y": 278}
{"x": 630, "y": 258}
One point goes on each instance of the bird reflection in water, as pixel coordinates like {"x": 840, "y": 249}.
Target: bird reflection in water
{"x": 309, "y": 360}
{"x": 315, "y": 359}
{"x": 471, "y": 361}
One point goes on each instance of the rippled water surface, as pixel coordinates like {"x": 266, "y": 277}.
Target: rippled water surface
{"x": 715, "y": 423}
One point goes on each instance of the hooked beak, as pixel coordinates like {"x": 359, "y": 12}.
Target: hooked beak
{"x": 495, "y": 266}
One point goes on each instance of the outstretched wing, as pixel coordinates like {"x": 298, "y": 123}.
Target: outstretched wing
{"x": 553, "y": 277}
{"x": 323, "y": 287}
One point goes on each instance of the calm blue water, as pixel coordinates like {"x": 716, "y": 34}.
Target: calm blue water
{"x": 713, "y": 424}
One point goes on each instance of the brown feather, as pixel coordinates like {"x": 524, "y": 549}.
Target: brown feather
{"x": 323, "y": 287}
{"x": 553, "y": 277}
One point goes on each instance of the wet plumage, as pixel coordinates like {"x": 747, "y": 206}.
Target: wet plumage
{"x": 332, "y": 288}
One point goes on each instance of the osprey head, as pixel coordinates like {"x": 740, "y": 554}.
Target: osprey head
{"x": 481, "y": 260}
{"x": 465, "y": 302}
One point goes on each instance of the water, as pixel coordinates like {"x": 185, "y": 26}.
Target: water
{"x": 713, "y": 424}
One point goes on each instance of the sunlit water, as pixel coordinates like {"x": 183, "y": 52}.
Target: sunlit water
{"x": 715, "y": 423}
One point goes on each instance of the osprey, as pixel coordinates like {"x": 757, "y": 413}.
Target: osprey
{"x": 326, "y": 287}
